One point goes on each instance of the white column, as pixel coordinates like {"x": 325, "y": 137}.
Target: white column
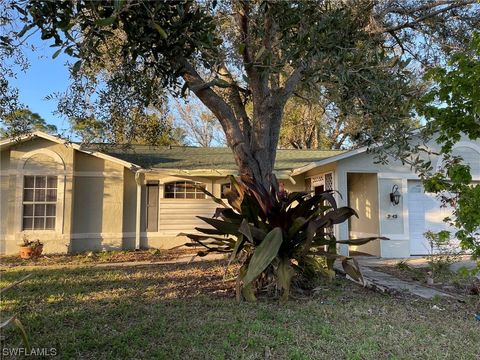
{"x": 138, "y": 179}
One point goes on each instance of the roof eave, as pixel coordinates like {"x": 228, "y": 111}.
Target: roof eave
{"x": 328, "y": 160}
{"x": 283, "y": 174}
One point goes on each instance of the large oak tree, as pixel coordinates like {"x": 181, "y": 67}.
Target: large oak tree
{"x": 234, "y": 53}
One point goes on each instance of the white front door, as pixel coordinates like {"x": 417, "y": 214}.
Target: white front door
{"x": 425, "y": 213}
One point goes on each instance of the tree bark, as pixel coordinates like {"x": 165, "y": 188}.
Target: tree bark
{"x": 254, "y": 143}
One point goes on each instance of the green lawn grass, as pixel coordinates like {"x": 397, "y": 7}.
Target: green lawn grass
{"x": 186, "y": 311}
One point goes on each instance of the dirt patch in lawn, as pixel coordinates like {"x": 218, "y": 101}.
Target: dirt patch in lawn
{"x": 184, "y": 280}
{"x": 152, "y": 255}
{"x": 447, "y": 281}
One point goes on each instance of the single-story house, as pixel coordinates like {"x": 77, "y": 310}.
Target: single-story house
{"x": 77, "y": 199}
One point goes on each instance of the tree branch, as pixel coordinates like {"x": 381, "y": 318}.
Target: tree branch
{"x": 411, "y": 24}
{"x": 236, "y": 102}
{"x": 293, "y": 80}
{"x": 410, "y": 11}
{"x": 243, "y": 24}
{"x": 270, "y": 28}
{"x": 214, "y": 102}
{"x": 226, "y": 116}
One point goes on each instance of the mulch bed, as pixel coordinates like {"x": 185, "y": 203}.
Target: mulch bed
{"x": 152, "y": 255}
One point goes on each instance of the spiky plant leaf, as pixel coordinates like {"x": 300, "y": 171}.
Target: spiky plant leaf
{"x": 263, "y": 255}
{"x": 196, "y": 237}
{"x": 253, "y": 234}
{"x": 351, "y": 267}
{"x": 231, "y": 216}
{"x": 361, "y": 241}
{"x": 248, "y": 293}
{"x": 236, "y": 249}
{"x": 235, "y": 196}
{"x": 223, "y": 226}
{"x": 245, "y": 230}
{"x": 264, "y": 222}
{"x": 285, "y": 273}
{"x": 210, "y": 231}
{"x": 297, "y": 224}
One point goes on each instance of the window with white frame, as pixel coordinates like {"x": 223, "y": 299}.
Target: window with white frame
{"x": 39, "y": 202}
{"x": 184, "y": 190}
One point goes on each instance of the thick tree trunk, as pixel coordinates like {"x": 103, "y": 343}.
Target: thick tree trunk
{"x": 253, "y": 141}
{"x": 266, "y": 125}
{"x": 258, "y": 160}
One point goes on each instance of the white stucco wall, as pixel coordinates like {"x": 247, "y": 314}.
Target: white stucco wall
{"x": 97, "y": 198}
{"x": 35, "y": 157}
{"x": 393, "y": 220}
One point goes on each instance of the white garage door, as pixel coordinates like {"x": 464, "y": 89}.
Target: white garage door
{"x": 425, "y": 213}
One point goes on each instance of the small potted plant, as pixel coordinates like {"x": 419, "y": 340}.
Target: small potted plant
{"x": 30, "y": 248}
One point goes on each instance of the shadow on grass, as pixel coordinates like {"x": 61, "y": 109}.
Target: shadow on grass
{"x": 178, "y": 311}
{"x": 177, "y": 280}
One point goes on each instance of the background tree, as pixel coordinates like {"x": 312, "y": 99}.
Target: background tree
{"x": 149, "y": 129}
{"x": 200, "y": 126}
{"x": 313, "y": 120}
{"x": 303, "y": 125}
{"x": 260, "y": 52}
{"x": 21, "y": 121}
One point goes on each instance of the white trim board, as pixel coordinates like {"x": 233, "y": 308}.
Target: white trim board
{"x": 119, "y": 235}
{"x": 399, "y": 175}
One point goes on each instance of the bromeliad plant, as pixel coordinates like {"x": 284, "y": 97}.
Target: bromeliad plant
{"x": 275, "y": 235}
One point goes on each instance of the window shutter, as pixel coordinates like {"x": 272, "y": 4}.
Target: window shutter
{"x": 152, "y": 206}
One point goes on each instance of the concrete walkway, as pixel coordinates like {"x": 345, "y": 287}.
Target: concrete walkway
{"x": 388, "y": 283}
{"x": 464, "y": 261}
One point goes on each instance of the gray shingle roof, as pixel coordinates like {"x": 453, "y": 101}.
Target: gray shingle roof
{"x": 195, "y": 158}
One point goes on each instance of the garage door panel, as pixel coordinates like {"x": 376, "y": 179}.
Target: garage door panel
{"x": 425, "y": 213}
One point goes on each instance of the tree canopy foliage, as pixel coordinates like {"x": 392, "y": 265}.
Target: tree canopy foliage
{"x": 452, "y": 109}
{"x": 234, "y": 53}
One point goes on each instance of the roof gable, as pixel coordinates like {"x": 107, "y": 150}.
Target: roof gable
{"x": 6, "y": 143}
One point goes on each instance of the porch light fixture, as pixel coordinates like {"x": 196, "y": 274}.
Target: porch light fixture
{"x": 395, "y": 195}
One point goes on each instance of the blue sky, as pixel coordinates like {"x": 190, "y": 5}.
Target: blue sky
{"x": 44, "y": 77}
